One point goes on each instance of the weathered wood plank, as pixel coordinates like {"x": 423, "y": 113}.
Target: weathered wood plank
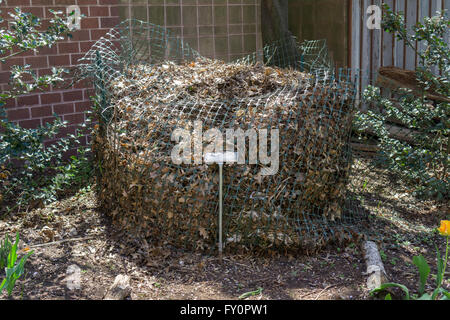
{"x": 356, "y": 45}
{"x": 447, "y": 6}
{"x": 388, "y": 42}
{"x": 366, "y": 51}
{"x": 356, "y": 34}
{"x": 399, "y": 46}
{"x": 377, "y": 48}
{"x": 424, "y": 11}
{"x": 411, "y": 20}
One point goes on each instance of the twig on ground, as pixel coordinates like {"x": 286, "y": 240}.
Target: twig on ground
{"x": 325, "y": 289}
{"x": 60, "y": 241}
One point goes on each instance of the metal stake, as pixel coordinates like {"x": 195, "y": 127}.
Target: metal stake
{"x": 220, "y": 158}
{"x": 220, "y": 209}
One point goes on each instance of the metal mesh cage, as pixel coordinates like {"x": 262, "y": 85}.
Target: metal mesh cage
{"x": 156, "y": 95}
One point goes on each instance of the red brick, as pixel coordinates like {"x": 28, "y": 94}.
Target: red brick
{"x": 85, "y": 11}
{"x": 18, "y": 114}
{"x": 19, "y": 61}
{"x": 28, "y": 100}
{"x": 4, "y": 77}
{"x": 80, "y": 35}
{"x": 97, "y": 11}
{"x": 19, "y": 52}
{"x": 107, "y": 1}
{"x": 81, "y": 2}
{"x": 60, "y": 60}
{"x": 48, "y": 98}
{"x": 14, "y": 3}
{"x": 10, "y": 103}
{"x": 75, "y": 57}
{"x": 48, "y": 120}
{"x": 5, "y": 87}
{"x": 63, "y": 108}
{"x": 41, "y": 2}
{"x": 66, "y": 2}
{"x": 38, "y": 112}
{"x": 89, "y": 23}
{"x": 109, "y": 22}
{"x": 64, "y": 132}
{"x": 30, "y": 124}
{"x": 49, "y": 15}
{"x": 48, "y": 51}
{"x": 114, "y": 11}
{"x": 83, "y": 106}
{"x": 98, "y": 33}
{"x": 74, "y": 118}
{"x": 69, "y": 47}
{"x": 85, "y": 46}
{"x": 83, "y": 84}
{"x": 37, "y": 11}
{"x": 37, "y": 62}
{"x": 88, "y": 94}
{"x": 73, "y": 95}
{"x": 44, "y": 72}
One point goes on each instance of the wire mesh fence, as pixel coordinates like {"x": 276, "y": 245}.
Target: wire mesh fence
{"x": 310, "y": 56}
{"x": 162, "y": 107}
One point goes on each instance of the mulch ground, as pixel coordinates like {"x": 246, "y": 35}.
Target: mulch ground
{"x": 73, "y": 231}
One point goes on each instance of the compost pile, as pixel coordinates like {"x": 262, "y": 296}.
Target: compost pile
{"x": 148, "y": 194}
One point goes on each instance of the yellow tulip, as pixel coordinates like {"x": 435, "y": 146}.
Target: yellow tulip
{"x": 445, "y": 228}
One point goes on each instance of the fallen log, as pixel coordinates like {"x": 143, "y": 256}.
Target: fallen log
{"x": 375, "y": 268}
{"x": 398, "y": 133}
{"x": 395, "y": 78}
{"x": 120, "y": 289}
{"x": 370, "y": 148}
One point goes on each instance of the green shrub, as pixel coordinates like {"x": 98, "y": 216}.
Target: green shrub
{"x": 423, "y": 159}
{"x": 31, "y": 172}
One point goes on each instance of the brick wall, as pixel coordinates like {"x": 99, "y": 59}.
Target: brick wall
{"x": 224, "y": 29}
{"x": 69, "y": 103}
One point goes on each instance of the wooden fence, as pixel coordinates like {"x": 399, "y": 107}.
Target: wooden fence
{"x": 372, "y": 49}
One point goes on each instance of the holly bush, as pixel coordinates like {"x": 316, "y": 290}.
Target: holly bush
{"x": 30, "y": 171}
{"x": 422, "y": 159}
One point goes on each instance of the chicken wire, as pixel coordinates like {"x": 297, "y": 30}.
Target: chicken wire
{"x": 141, "y": 73}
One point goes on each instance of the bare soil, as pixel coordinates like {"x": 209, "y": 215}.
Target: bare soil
{"x": 73, "y": 231}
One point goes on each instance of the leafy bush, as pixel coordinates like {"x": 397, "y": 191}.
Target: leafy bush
{"x": 32, "y": 172}
{"x": 423, "y": 159}
{"x": 31, "y": 165}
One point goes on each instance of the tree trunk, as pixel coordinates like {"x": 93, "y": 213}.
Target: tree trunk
{"x": 274, "y": 20}
{"x": 275, "y": 28}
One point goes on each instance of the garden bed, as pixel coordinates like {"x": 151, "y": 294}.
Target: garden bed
{"x": 103, "y": 251}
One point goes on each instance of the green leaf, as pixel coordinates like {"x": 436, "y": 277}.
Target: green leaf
{"x": 440, "y": 268}
{"x": 251, "y": 293}
{"x": 445, "y": 294}
{"x": 424, "y": 271}
{"x": 2, "y": 286}
{"x": 385, "y": 286}
{"x": 12, "y": 257}
{"x": 425, "y": 296}
{"x": 388, "y": 297}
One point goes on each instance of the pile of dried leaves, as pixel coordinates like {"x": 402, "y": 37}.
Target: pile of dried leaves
{"x": 147, "y": 193}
